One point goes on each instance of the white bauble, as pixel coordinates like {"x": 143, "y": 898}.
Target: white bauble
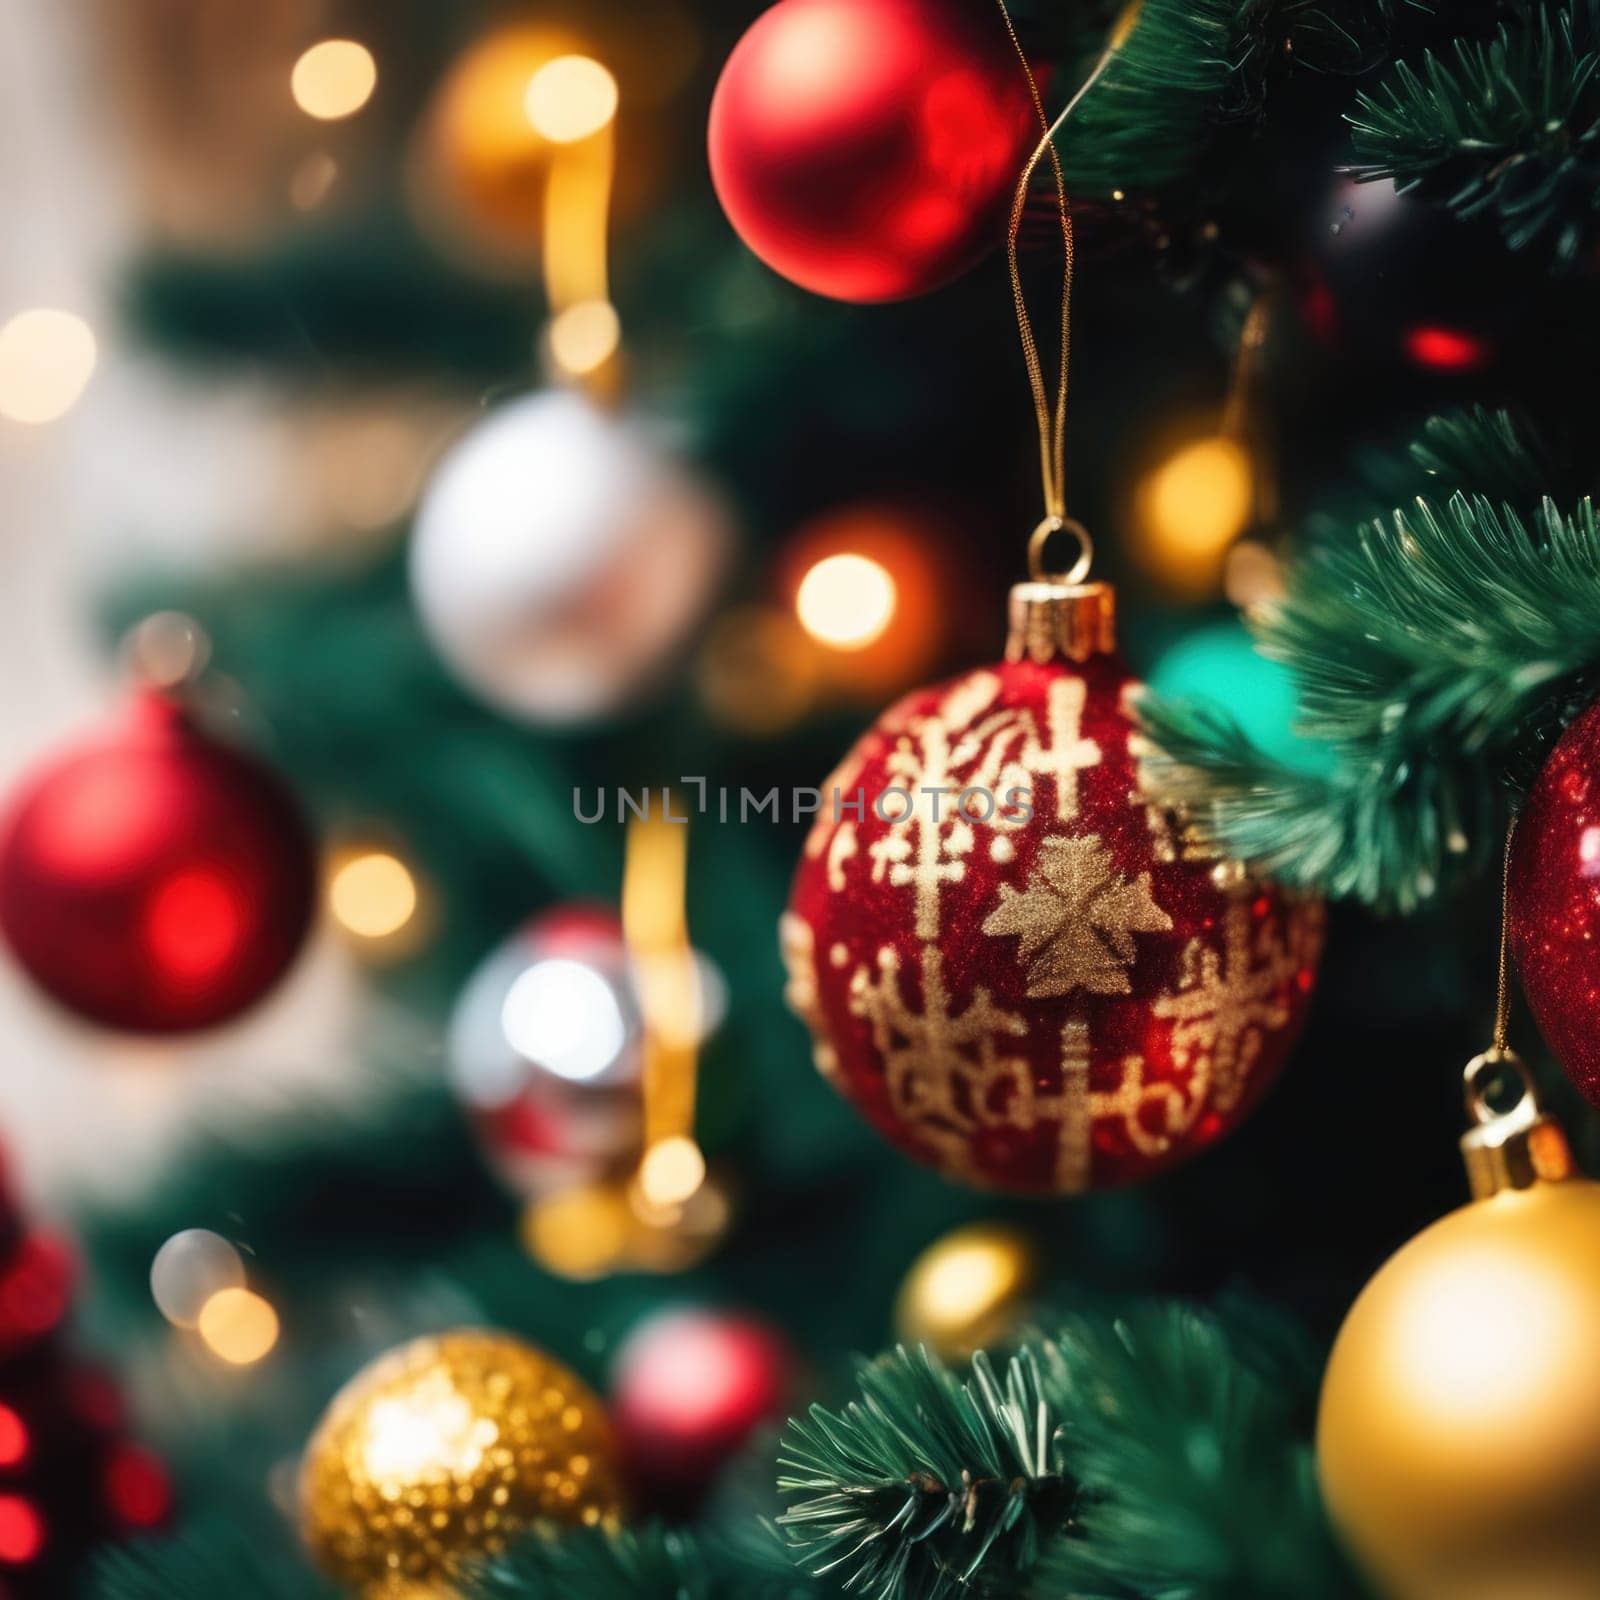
{"x": 559, "y": 559}
{"x": 546, "y": 1050}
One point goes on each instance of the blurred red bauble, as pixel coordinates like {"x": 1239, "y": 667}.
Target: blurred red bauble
{"x": 688, "y": 1389}
{"x": 867, "y": 149}
{"x": 154, "y": 880}
{"x": 1018, "y": 963}
{"x": 1554, "y": 901}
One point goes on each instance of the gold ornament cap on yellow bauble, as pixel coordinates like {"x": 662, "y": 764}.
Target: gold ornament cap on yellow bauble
{"x": 1458, "y": 1441}
{"x": 445, "y": 1449}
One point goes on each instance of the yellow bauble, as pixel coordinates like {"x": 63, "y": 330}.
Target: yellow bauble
{"x": 1458, "y": 1443}
{"x": 446, "y": 1448}
{"x": 967, "y": 1289}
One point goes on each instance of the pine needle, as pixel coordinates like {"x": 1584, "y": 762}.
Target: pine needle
{"x": 1507, "y": 128}
{"x": 1424, "y": 645}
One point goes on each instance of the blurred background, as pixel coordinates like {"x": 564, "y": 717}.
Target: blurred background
{"x": 389, "y": 376}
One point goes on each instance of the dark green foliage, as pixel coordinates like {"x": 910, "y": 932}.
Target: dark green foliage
{"x": 1507, "y": 128}
{"x": 1188, "y": 1435}
{"x": 1161, "y": 1453}
{"x": 647, "y": 1563}
{"x": 926, "y": 1486}
{"x": 1190, "y": 67}
{"x": 1145, "y": 123}
{"x": 1421, "y": 645}
{"x": 335, "y": 296}
{"x": 212, "y": 1558}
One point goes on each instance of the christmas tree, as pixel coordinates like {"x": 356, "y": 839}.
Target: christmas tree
{"x": 639, "y": 1117}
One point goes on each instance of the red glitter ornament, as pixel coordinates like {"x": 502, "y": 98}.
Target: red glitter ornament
{"x": 1553, "y": 901}
{"x": 154, "y": 880}
{"x": 688, "y": 1389}
{"x": 866, "y": 149}
{"x": 1037, "y": 978}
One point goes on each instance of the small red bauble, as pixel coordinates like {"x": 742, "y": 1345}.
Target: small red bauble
{"x": 1553, "y": 904}
{"x": 866, "y": 149}
{"x": 688, "y": 1389}
{"x": 1037, "y": 978}
{"x": 155, "y": 880}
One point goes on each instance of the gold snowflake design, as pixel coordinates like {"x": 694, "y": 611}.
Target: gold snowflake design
{"x": 1076, "y": 919}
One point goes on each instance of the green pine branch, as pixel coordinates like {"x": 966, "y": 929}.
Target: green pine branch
{"x": 1145, "y": 123}
{"x": 1423, "y": 647}
{"x": 1366, "y": 831}
{"x": 925, "y": 1486}
{"x": 1158, "y": 1453}
{"x": 652, "y": 1562}
{"x": 1506, "y": 128}
{"x": 1190, "y": 67}
{"x": 1188, "y": 1432}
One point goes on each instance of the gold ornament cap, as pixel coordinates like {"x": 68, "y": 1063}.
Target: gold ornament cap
{"x": 1512, "y": 1149}
{"x": 1057, "y": 613}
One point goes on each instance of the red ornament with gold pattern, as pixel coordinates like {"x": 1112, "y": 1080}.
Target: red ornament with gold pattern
{"x": 1553, "y": 901}
{"x": 1022, "y": 966}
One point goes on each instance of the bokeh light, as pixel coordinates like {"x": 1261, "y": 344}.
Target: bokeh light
{"x": 334, "y": 79}
{"x": 1190, "y": 509}
{"x": 846, "y": 601}
{"x": 14, "y": 1442}
{"x": 372, "y": 894}
{"x": 570, "y": 98}
{"x": 46, "y": 360}
{"x": 1219, "y": 663}
{"x": 167, "y": 649}
{"x": 580, "y": 1233}
{"x": 22, "y": 1531}
{"x": 584, "y": 337}
{"x": 238, "y": 1326}
{"x": 1447, "y": 349}
{"x": 876, "y": 620}
{"x": 188, "y": 1270}
{"x": 564, "y": 1015}
{"x": 671, "y": 1171}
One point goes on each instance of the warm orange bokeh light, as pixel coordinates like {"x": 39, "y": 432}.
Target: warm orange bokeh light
{"x": 867, "y": 586}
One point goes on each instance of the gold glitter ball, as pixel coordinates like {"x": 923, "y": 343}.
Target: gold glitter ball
{"x": 447, "y": 1448}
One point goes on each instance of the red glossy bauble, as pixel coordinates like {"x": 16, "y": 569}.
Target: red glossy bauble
{"x": 155, "y": 880}
{"x": 867, "y": 149}
{"x": 688, "y": 1388}
{"x": 1062, "y": 989}
{"x": 1553, "y": 906}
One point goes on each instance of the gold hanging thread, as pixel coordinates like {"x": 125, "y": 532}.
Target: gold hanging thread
{"x": 1051, "y": 418}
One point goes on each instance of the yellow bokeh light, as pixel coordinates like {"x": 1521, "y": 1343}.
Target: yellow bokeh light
{"x": 846, "y": 601}
{"x": 372, "y": 894}
{"x": 584, "y": 337}
{"x": 672, "y": 1170}
{"x": 578, "y": 1233}
{"x": 334, "y": 79}
{"x": 570, "y": 98}
{"x": 1191, "y": 508}
{"x": 46, "y": 359}
{"x": 238, "y": 1326}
